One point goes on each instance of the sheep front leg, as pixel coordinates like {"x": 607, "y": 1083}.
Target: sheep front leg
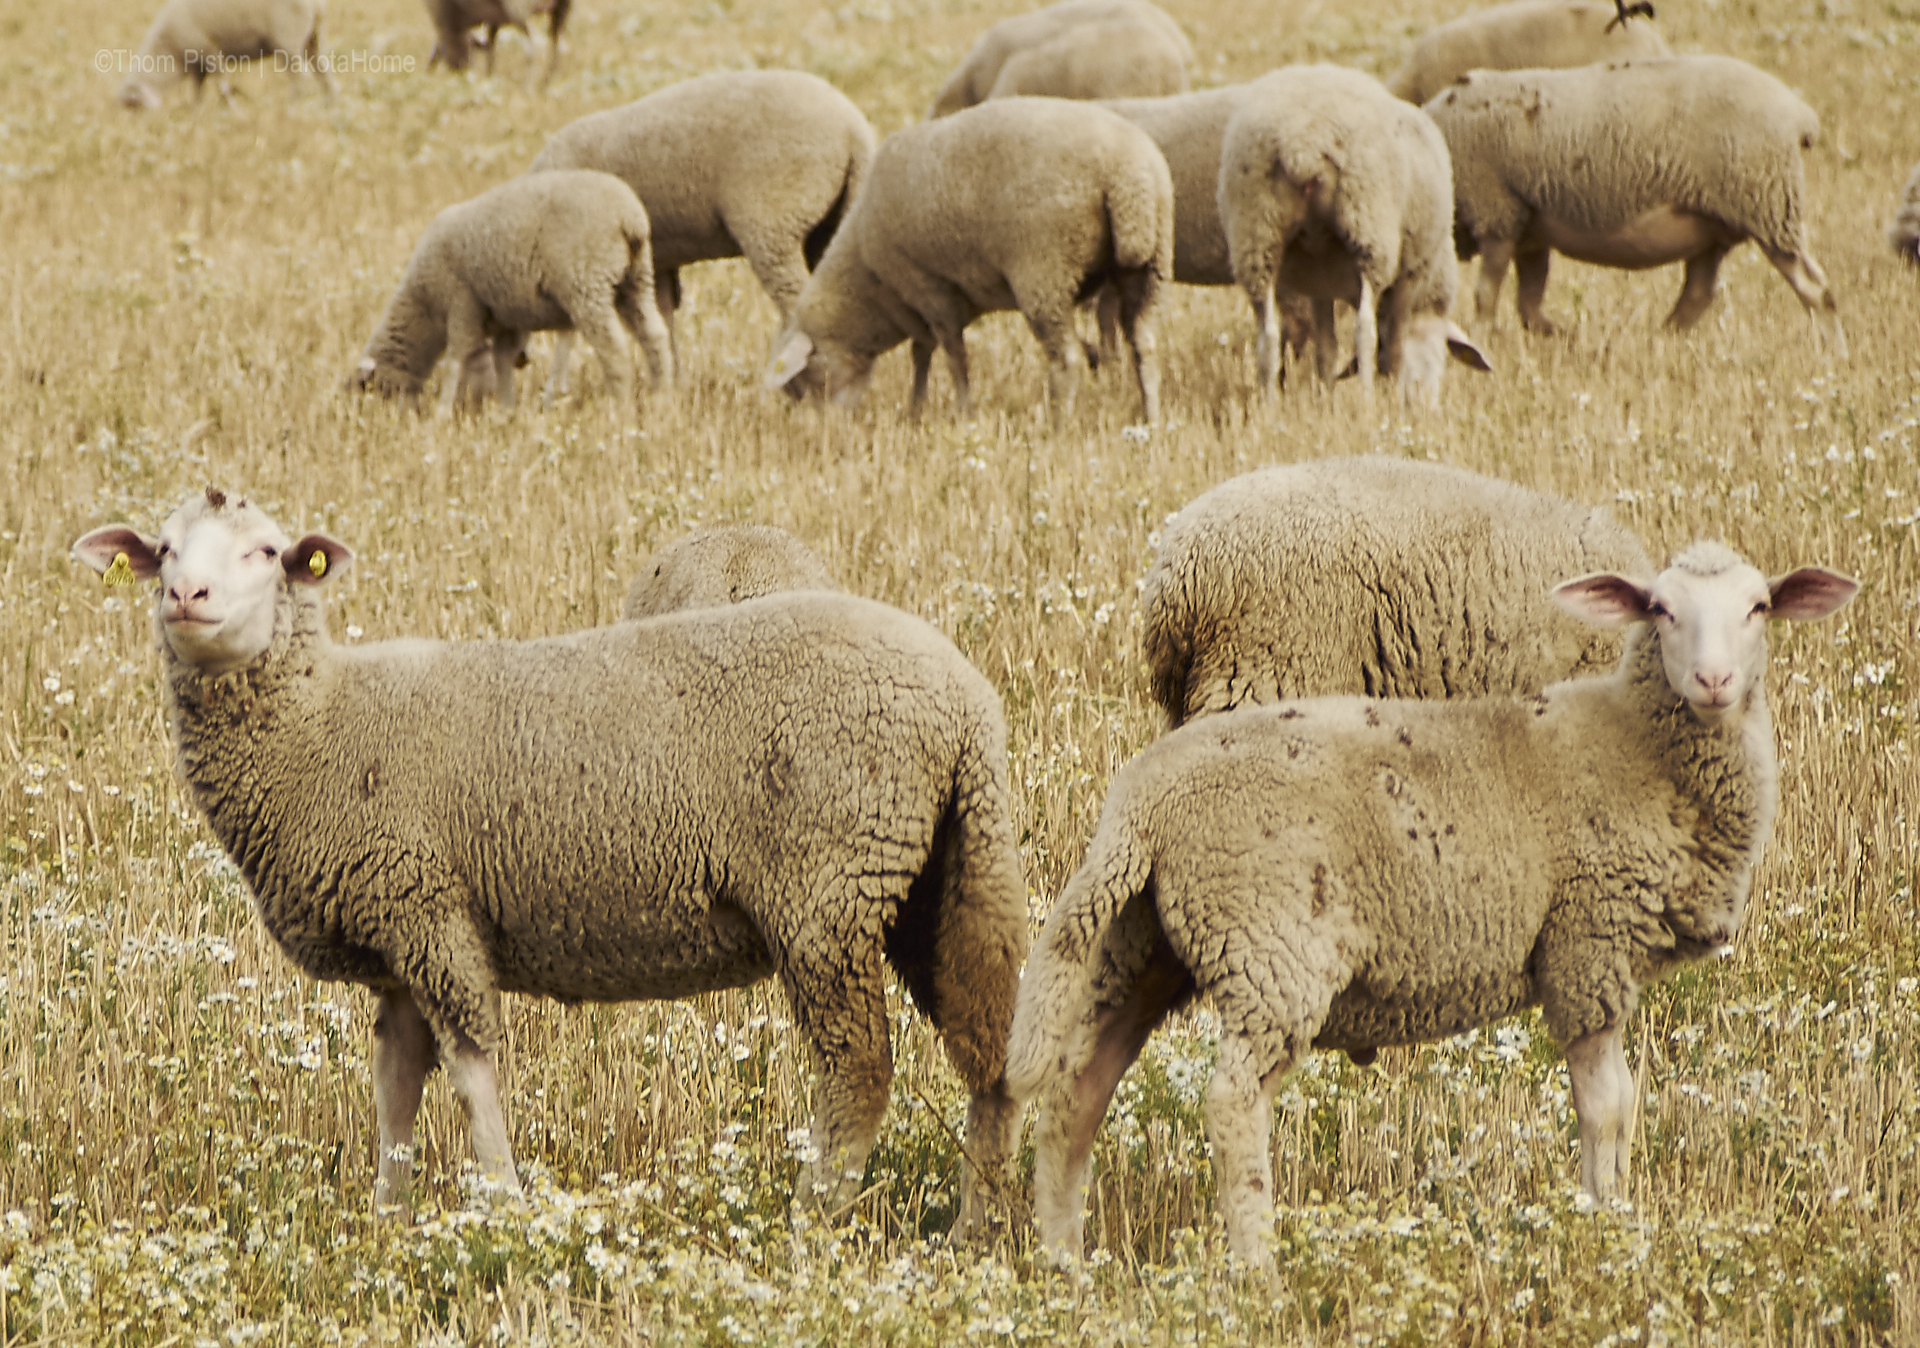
{"x": 471, "y": 350}
{"x": 600, "y": 329}
{"x": 1240, "y": 1130}
{"x": 1266, "y": 351}
{"x": 1703, "y": 273}
{"x": 1496, "y": 255}
{"x": 922, "y": 367}
{"x": 402, "y": 1057}
{"x": 508, "y": 351}
{"x": 1603, "y": 1100}
{"x": 557, "y": 372}
{"x": 840, "y": 1006}
{"x": 1530, "y": 278}
{"x": 1064, "y": 357}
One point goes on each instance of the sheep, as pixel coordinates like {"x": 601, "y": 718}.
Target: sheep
{"x": 760, "y": 163}
{"x": 1027, "y": 203}
{"x": 1632, "y": 165}
{"x": 726, "y": 564}
{"x": 1114, "y": 58}
{"x": 1343, "y": 872}
{"x": 1904, "y": 233}
{"x": 564, "y": 250}
{"x": 454, "y": 20}
{"x": 808, "y": 785}
{"x": 973, "y": 81}
{"x": 197, "y": 37}
{"x": 1523, "y": 35}
{"x": 1332, "y": 189}
{"x": 1376, "y": 576}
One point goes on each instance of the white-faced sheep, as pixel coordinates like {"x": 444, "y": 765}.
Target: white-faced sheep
{"x": 753, "y": 163}
{"x": 1904, "y": 233}
{"x": 812, "y": 786}
{"x": 196, "y": 37}
{"x": 725, "y": 564}
{"x": 455, "y": 20}
{"x": 1523, "y": 35}
{"x": 973, "y": 80}
{"x": 1632, "y": 165}
{"x": 556, "y": 251}
{"x": 1033, "y": 204}
{"x": 1331, "y": 189}
{"x": 1342, "y": 873}
{"x": 1378, "y": 576}
{"x": 1115, "y": 58}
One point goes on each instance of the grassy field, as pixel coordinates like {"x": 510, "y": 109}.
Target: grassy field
{"x": 186, "y": 1124}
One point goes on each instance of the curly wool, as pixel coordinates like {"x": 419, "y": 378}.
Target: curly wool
{"x": 1524, "y": 35}
{"x": 1387, "y": 577}
{"x": 973, "y": 80}
{"x": 1115, "y": 58}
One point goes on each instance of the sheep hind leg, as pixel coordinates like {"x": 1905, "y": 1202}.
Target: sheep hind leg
{"x": 402, "y": 1056}
{"x": 557, "y": 372}
{"x": 840, "y": 1008}
{"x": 1530, "y": 271}
{"x": 1240, "y": 1130}
{"x": 1696, "y": 294}
{"x": 1809, "y": 282}
{"x": 1603, "y": 1100}
{"x": 639, "y": 308}
{"x": 1134, "y": 298}
{"x": 476, "y": 1084}
{"x": 600, "y": 329}
{"x": 1496, "y": 255}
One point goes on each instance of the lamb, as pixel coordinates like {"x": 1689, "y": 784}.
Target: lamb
{"x": 1115, "y": 58}
{"x": 454, "y": 21}
{"x": 808, "y": 785}
{"x": 760, "y": 163}
{"x": 974, "y": 79}
{"x": 727, "y": 564}
{"x": 195, "y": 37}
{"x": 1378, "y": 576}
{"x": 1332, "y": 189}
{"x": 1904, "y": 233}
{"x": 1033, "y": 204}
{"x": 1632, "y": 165}
{"x": 565, "y": 250}
{"x": 1523, "y": 35}
{"x": 1343, "y": 872}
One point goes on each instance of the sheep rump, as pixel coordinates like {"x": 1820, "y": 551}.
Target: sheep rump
{"x": 973, "y": 80}
{"x": 1113, "y": 58}
{"x": 1385, "y": 577}
{"x": 1524, "y": 35}
{"x": 726, "y": 564}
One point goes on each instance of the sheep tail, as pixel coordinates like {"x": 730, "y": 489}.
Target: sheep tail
{"x": 1058, "y": 981}
{"x": 1136, "y": 223}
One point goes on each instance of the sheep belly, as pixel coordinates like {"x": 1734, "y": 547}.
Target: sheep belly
{"x": 1653, "y": 238}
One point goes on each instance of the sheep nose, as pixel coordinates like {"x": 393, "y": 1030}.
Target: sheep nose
{"x": 1714, "y": 683}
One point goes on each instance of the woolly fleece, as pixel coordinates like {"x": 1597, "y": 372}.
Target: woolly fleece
{"x": 973, "y": 80}
{"x": 727, "y": 564}
{"x": 1525, "y": 35}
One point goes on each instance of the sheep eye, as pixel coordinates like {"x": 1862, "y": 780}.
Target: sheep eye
{"x": 1658, "y": 610}
{"x": 270, "y": 551}
{"x": 1761, "y": 609}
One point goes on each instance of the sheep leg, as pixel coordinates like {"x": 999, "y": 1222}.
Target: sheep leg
{"x": 839, "y": 1006}
{"x": 1064, "y": 358}
{"x": 1603, "y": 1100}
{"x": 493, "y": 43}
{"x": 1696, "y": 293}
{"x": 1496, "y": 255}
{"x": 1266, "y": 351}
{"x": 507, "y": 350}
{"x": 1109, "y": 305}
{"x": 402, "y": 1057}
{"x": 954, "y": 343}
{"x": 1809, "y": 282}
{"x": 1136, "y": 295}
{"x": 782, "y": 272}
{"x": 1366, "y": 338}
{"x": 1071, "y": 1114}
{"x": 1240, "y": 1130}
{"x": 477, "y": 1086}
{"x": 666, "y": 295}
{"x": 1530, "y": 278}
{"x": 600, "y": 329}
{"x": 1326, "y": 348}
{"x": 639, "y": 309}
{"x": 922, "y": 367}
{"x": 557, "y": 372}
{"x": 471, "y": 350}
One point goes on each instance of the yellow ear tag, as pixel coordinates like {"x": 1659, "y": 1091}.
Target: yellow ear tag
{"x": 120, "y": 573}
{"x": 317, "y": 563}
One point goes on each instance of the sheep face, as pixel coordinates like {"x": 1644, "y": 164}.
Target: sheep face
{"x": 138, "y": 95}
{"x": 221, "y": 566}
{"x": 389, "y": 381}
{"x": 801, "y": 368}
{"x": 1710, "y": 610}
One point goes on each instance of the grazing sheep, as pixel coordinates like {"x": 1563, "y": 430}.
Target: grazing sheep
{"x": 1033, "y": 204}
{"x": 1633, "y": 165}
{"x": 1523, "y": 35}
{"x": 753, "y": 163}
{"x": 1904, "y": 233}
{"x": 561, "y": 250}
{"x": 1189, "y": 129}
{"x": 808, "y": 785}
{"x": 727, "y": 564}
{"x": 454, "y": 21}
{"x": 1115, "y": 58}
{"x": 194, "y": 37}
{"x": 1345, "y": 873}
{"x": 1380, "y": 576}
{"x": 973, "y": 81}
{"x": 1333, "y": 189}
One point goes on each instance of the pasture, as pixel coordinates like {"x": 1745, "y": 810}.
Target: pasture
{"x": 186, "y": 1124}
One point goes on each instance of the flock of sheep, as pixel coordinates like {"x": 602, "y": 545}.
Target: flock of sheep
{"x": 1403, "y": 793}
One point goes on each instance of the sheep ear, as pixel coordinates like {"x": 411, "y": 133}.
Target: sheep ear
{"x": 103, "y": 548}
{"x": 789, "y": 360}
{"x": 1461, "y": 348}
{"x": 1603, "y": 599}
{"x": 313, "y": 559}
{"x": 1811, "y": 593}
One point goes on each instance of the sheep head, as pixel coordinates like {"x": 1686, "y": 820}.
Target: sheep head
{"x": 222, "y": 565}
{"x": 1710, "y": 609}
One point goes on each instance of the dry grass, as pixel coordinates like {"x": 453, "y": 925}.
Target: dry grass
{"x": 185, "y": 1124}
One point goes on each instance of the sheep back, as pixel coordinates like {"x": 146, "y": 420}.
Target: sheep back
{"x": 1599, "y": 146}
{"x": 724, "y": 565}
{"x": 973, "y": 80}
{"x": 1387, "y": 577}
{"x": 1526, "y": 35}
{"x": 1115, "y": 58}
{"x": 1189, "y": 129}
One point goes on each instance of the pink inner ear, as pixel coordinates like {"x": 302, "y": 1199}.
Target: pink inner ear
{"x": 298, "y": 561}
{"x": 1603, "y": 599}
{"x": 98, "y": 547}
{"x": 1811, "y": 593}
